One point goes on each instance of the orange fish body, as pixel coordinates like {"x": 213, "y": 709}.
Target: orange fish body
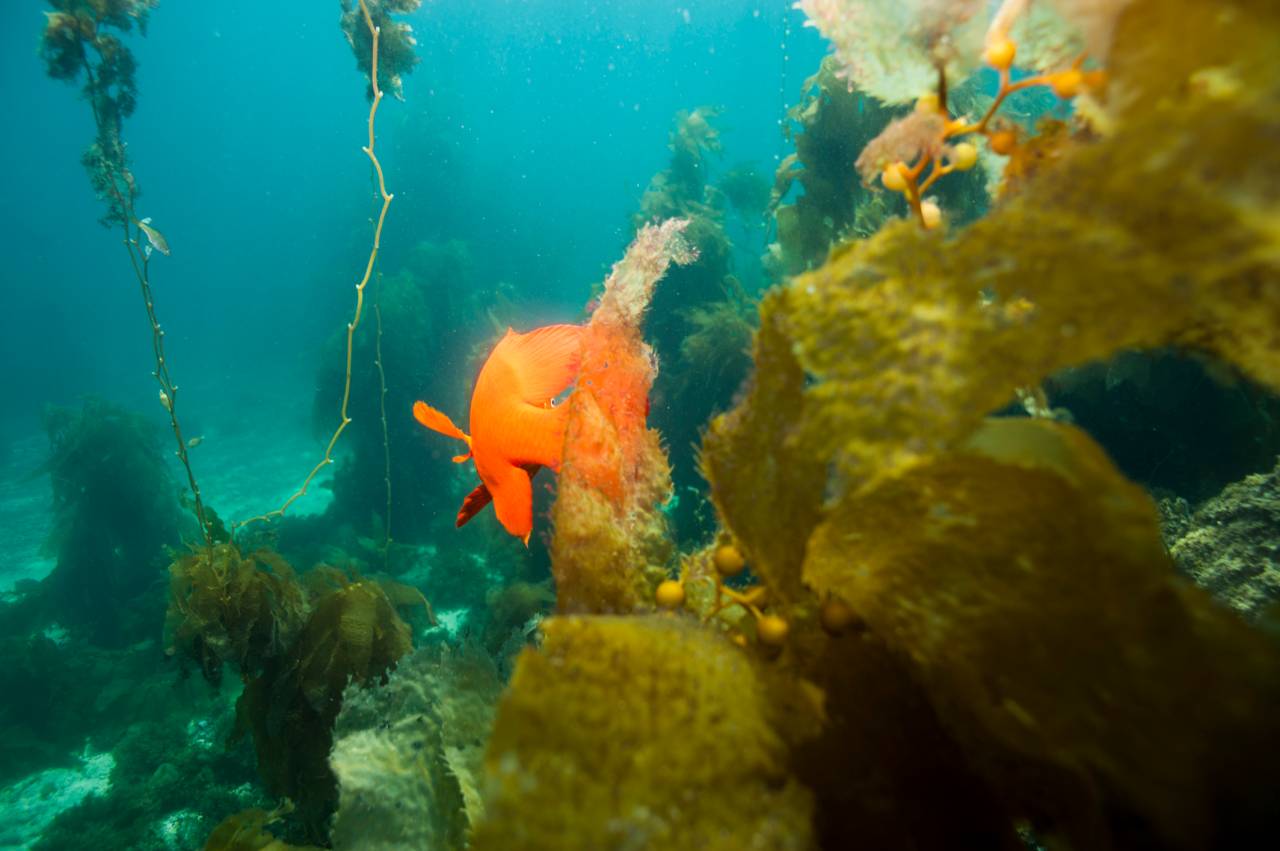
{"x": 515, "y": 429}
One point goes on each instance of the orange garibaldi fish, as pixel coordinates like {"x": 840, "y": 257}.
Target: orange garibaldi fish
{"x": 515, "y": 428}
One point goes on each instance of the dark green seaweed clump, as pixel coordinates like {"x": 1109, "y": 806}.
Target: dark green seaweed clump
{"x": 115, "y": 509}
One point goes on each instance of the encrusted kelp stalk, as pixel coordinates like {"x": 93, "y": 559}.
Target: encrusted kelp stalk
{"x": 71, "y": 33}
{"x": 608, "y": 526}
{"x": 344, "y": 419}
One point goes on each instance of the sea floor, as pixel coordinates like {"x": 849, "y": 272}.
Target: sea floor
{"x": 242, "y": 473}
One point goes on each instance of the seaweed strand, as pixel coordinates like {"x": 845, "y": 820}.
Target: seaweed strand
{"x": 344, "y": 419}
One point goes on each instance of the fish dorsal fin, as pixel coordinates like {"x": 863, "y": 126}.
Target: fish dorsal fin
{"x": 544, "y": 362}
{"x": 438, "y": 421}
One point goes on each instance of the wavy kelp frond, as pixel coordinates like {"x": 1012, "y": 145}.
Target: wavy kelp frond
{"x": 1161, "y": 233}
{"x": 409, "y": 756}
{"x": 396, "y": 56}
{"x": 615, "y": 475}
{"x": 644, "y": 731}
{"x": 247, "y": 831}
{"x": 753, "y": 450}
{"x": 892, "y": 49}
{"x": 1026, "y": 552}
{"x": 351, "y": 636}
{"x": 226, "y": 608}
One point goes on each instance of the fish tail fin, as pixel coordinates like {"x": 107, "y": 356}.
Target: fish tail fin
{"x": 439, "y": 422}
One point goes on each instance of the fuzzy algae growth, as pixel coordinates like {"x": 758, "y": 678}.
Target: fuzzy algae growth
{"x": 643, "y": 732}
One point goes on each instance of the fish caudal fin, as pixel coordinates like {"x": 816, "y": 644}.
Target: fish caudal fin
{"x": 438, "y": 421}
{"x": 473, "y": 504}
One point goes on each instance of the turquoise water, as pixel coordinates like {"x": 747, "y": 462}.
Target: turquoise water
{"x": 526, "y": 148}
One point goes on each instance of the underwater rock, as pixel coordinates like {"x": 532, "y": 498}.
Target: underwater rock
{"x": 30, "y": 805}
{"x": 408, "y": 756}
{"x": 1230, "y": 544}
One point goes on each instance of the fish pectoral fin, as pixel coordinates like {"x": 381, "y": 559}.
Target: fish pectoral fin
{"x": 459, "y": 459}
{"x": 513, "y": 499}
{"x": 533, "y": 436}
{"x": 438, "y": 421}
{"x": 473, "y": 504}
{"x": 545, "y": 361}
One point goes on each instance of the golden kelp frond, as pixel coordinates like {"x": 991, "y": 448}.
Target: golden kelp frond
{"x": 353, "y": 634}
{"x": 643, "y": 732}
{"x": 1166, "y": 231}
{"x": 246, "y": 831}
{"x": 228, "y": 608}
{"x": 752, "y": 451}
{"x": 1025, "y": 579}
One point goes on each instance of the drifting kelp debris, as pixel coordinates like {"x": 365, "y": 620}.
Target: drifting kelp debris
{"x": 396, "y": 56}
{"x": 638, "y": 731}
{"x": 608, "y": 527}
{"x": 408, "y": 756}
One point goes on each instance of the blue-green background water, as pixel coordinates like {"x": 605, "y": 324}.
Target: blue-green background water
{"x": 519, "y": 158}
{"x": 529, "y": 131}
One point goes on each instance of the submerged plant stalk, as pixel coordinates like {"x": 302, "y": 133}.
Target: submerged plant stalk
{"x": 344, "y": 419}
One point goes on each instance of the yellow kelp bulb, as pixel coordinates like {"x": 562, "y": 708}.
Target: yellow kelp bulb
{"x": 772, "y": 630}
{"x": 1003, "y": 142}
{"x": 928, "y": 104}
{"x": 999, "y": 54}
{"x": 931, "y": 214}
{"x": 894, "y": 179}
{"x": 836, "y": 616}
{"x": 963, "y": 156}
{"x": 670, "y": 594}
{"x": 729, "y": 560}
{"x": 1067, "y": 84}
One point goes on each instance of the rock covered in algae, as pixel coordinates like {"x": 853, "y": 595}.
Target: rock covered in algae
{"x": 637, "y": 732}
{"x": 1230, "y": 545}
{"x": 408, "y": 756}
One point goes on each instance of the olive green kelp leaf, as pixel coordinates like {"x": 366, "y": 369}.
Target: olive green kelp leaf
{"x": 1024, "y": 579}
{"x": 641, "y": 732}
{"x": 767, "y": 486}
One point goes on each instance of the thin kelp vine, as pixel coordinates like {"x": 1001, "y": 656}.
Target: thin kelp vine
{"x": 76, "y": 42}
{"x": 344, "y": 420}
